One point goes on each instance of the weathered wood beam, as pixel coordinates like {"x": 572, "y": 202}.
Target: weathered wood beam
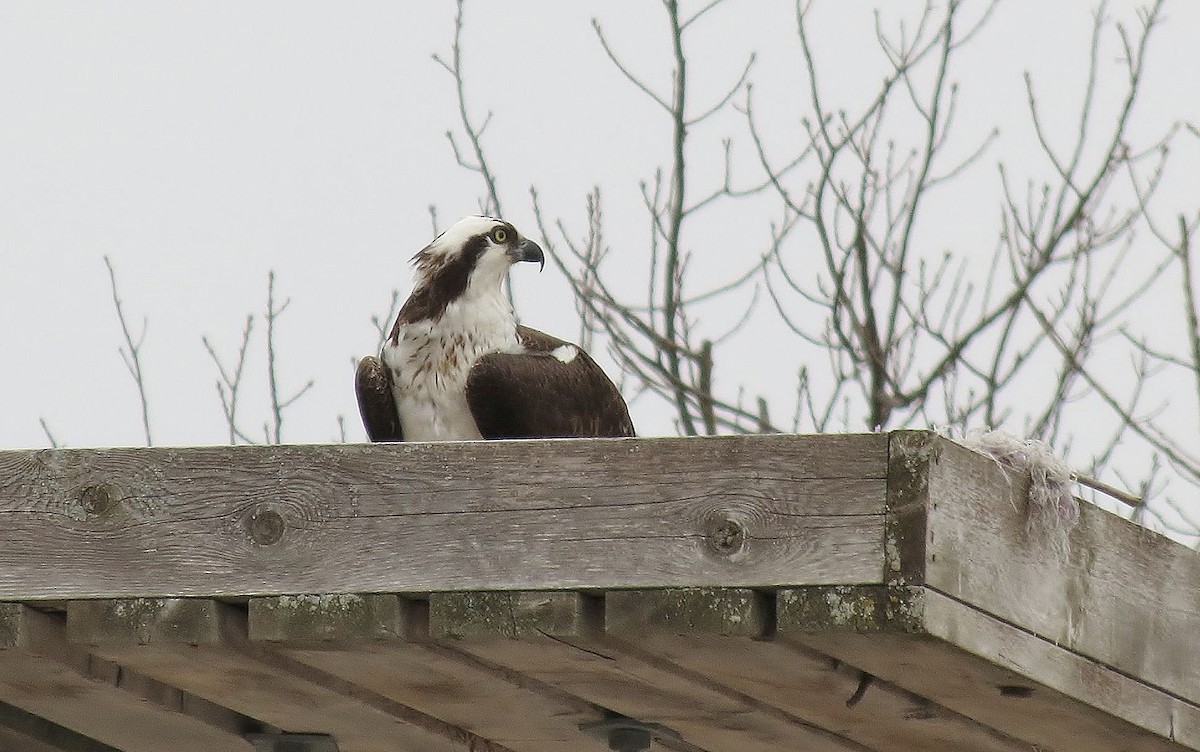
{"x": 1100, "y": 620}
{"x": 289, "y": 520}
{"x": 1111, "y": 590}
{"x": 727, "y": 635}
{"x": 202, "y": 646}
{"x": 558, "y": 638}
{"x": 42, "y": 673}
{"x": 380, "y": 642}
{"x": 1023, "y": 686}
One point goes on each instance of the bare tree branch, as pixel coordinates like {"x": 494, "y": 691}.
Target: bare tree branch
{"x": 132, "y": 351}
{"x": 278, "y": 405}
{"x": 49, "y": 436}
{"x": 474, "y": 133}
{"x": 229, "y": 385}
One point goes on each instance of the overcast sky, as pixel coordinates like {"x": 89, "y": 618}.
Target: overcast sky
{"x": 200, "y": 145}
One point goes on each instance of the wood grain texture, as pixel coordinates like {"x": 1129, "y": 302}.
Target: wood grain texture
{"x": 747, "y": 511}
{"x": 558, "y": 638}
{"x": 380, "y": 642}
{"x": 724, "y": 634}
{"x": 203, "y": 647}
{"x": 982, "y": 668}
{"x": 1124, "y": 596}
{"x": 42, "y": 673}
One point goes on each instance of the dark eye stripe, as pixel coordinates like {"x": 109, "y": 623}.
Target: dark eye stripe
{"x": 446, "y": 282}
{"x": 471, "y": 252}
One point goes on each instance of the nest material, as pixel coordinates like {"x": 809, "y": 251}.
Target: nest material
{"x": 1053, "y": 509}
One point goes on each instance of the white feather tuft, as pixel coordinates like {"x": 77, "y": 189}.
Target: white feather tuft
{"x": 565, "y": 353}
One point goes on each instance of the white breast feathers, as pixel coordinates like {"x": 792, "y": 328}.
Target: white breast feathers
{"x": 430, "y": 362}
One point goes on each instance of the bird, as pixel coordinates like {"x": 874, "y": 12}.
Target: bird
{"x": 457, "y": 366}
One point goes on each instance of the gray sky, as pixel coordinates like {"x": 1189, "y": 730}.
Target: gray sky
{"x": 201, "y": 145}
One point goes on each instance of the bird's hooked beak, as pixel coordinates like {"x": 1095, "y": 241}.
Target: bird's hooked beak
{"x": 527, "y": 250}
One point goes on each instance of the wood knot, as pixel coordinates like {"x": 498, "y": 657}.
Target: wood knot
{"x": 99, "y": 499}
{"x": 266, "y": 527}
{"x": 724, "y": 536}
{"x": 1015, "y": 690}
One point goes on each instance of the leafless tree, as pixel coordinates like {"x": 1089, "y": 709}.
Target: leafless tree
{"x": 913, "y": 337}
{"x": 904, "y": 335}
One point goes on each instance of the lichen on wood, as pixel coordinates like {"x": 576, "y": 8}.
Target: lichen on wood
{"x": 854, "y": 608}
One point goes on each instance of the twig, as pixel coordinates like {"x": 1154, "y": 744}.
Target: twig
{"x": 277, "y": 405}
{"x": 131, "y": 353}
{"x": 49, "y": 436}
{"x": 474, "y": 132}
{"x": 1191, "y": 310}
{"x": 1110, "y": 490}
{"x": 383, "y": 325}
{"x": 229, "y": 385}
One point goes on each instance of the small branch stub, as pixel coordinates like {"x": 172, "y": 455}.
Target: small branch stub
{"x": 266, "y": 527}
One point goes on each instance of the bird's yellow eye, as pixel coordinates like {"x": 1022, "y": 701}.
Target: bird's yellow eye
{"x": 500, "y": 235}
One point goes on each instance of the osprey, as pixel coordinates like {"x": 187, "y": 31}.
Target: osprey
{"x": 457, "y": 366}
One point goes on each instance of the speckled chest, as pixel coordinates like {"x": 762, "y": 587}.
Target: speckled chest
{"x": 430, "y": 361}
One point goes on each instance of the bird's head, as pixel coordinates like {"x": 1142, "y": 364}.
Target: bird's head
{"x": 468, "y": 260}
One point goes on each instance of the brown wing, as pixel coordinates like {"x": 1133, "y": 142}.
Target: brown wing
{"x": 536, "y": 395}
{"x": 376, "y": 405}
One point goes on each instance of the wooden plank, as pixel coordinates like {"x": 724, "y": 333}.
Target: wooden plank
{"x": 41, "y": 673}
{"x": 380, "y": 642}
{"x": 202, "y": 645}
{"x": 905, "y": 530}
{"x": 724, "y": 634}
{"x": 219, "y": 521}
{"x": 558, "y": 638}
{"x": 22, "y": 731}
{"x": 976, "y": 665}
{"x": 1124, "y": 596}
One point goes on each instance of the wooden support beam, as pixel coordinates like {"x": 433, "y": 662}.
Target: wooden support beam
{"x": 22, "y": 731}
{"x": 558, "y": 638}
{"x": 982, "y": 668}
{"x": 380, "y": 642}
{"x": 43, "y": 674}
{"x": 726, "y": 634}
{"x": 202, "y": 646}
{"x": 279, "y": 520}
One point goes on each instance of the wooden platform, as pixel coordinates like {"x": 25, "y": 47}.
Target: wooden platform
{"x": 873, "y": 592}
